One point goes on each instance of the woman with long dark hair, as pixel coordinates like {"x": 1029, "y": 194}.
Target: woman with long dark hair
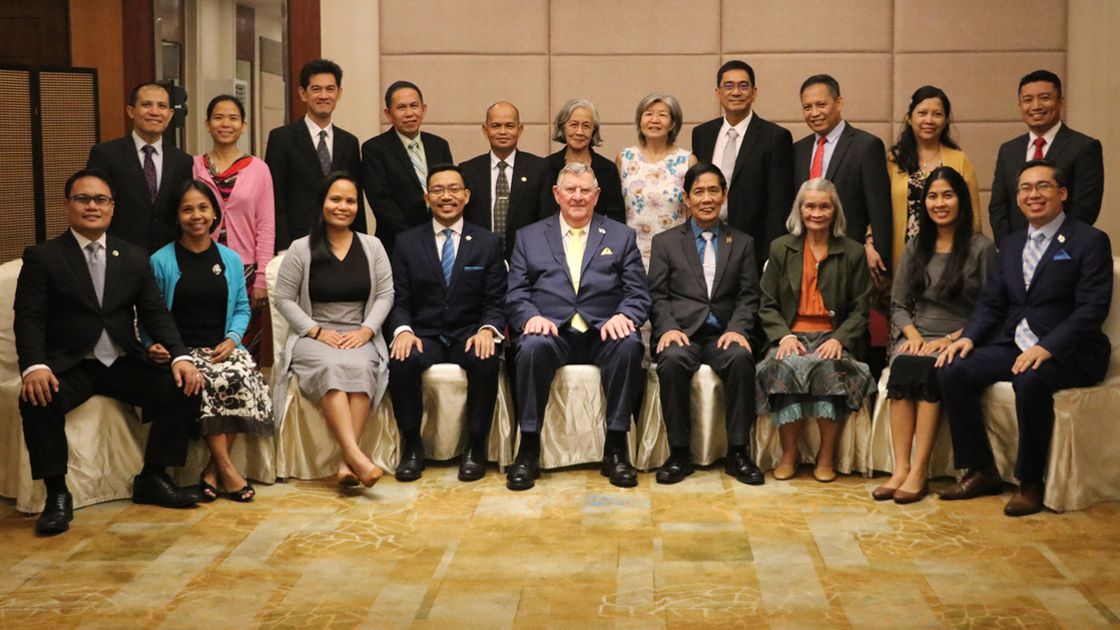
{"x": 942, "y": 271}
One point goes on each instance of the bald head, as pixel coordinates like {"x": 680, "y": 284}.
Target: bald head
{"x": 502, "y": 128}
{"x": 503, "y": 108}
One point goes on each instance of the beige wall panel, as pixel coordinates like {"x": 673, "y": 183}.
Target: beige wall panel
{"x": 989, "y": 25}
{"x": 807, "y": 25}
{"x": 981, "y": 86}
{"x": 459, "y": 88}
{"x": 467, "y": 140}
{"x": 865, "y": 83}
{"x": 617, "y": 137}
{"x": 985, "y": 198}
{"x": 615, "y": 86}
{"x": 581, "y": 27}
{"x": 478, "y": 26}
{"x": 981, "y": 141}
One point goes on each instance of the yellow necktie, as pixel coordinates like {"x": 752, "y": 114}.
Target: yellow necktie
{"x": 575, "y": 263}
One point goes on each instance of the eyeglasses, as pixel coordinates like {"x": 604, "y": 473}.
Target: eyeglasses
{"x": 731, "y": 87}
{"x": 438, "y": 192}
{"x": 1042, "y": 187}
{"x": 83, "y": 200}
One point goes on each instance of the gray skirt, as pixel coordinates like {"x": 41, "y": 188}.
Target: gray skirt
{"x": 806, "y": 386}
{"x": 321, "y": 368}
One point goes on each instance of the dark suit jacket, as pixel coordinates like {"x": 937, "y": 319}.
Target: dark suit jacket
{"x": 1081, "y": 160}
{"x": 761, "y": 189}
{"x": 58, "y": 320}
{"x": 858, "y": 168}
{"x": 610, "y": 204}
{"x": 613, "y": 279}
{"x": 475, "y": 298}
{"x": 1066, "y": 304}
{"x": 524, "y": 193}
{"x": 394, "y": 192}
{"x": 296, "y": 176}
{"x": 136, "y": 218}
{"x": 680, "y": 293}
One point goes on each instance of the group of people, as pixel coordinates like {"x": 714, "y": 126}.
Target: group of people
{"x": 753, "y": 254}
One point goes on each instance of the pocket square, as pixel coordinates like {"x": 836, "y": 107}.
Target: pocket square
{"x": 1061, "y": 255}
{"x": 473, "y": 268}
{"x": 606, "y": 252}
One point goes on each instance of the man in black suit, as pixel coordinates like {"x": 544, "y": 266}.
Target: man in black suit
{"x": 395, "y": 164}
{"x": 1076, "y": 154}
{"x": 505, "y": 182}
{"x": 1037, "y": 323}
{"x": 755, "y": 155}
{"x": 854, "y": 161}
{"x": 450, "y": 283}
{"x": 300, "y": 154}
{"x": 704, "y": 285}
{"x": 76, "y": 302}
{"x": 147, "y": 171}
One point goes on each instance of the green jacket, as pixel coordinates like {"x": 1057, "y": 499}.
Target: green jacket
{"x": 842, "y": 277}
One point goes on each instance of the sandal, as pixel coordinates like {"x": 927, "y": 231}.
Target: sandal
{"x": 243, "y": 495}
{"x": 208, "y": 492}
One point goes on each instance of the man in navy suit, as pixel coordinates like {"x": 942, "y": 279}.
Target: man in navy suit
{"x": 577, "y": 293}
{"x": 1037, "y": 324}
{"x": 450, "y": 283}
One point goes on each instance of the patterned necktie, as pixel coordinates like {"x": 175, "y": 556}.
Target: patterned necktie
{"x": 818, "y": 159}
{"x": 324, "y": 152}
{"x": 150, "y": 170}
{"x": 448, "y": 256}
{"x": 418, "y": 164}
{"x": 575, "y": 265}
{"x": 501, "y": 200}
{"x": 95, "y": 258}
{"x": 709, "y": 260}
{"x": 1024, "y": 337}
{"x": 1038, "y": 144}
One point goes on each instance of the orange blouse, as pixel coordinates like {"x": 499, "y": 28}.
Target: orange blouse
{"x": 812, "y": 314}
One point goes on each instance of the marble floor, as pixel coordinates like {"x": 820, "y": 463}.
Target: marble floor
{"x": 573, "y": 553}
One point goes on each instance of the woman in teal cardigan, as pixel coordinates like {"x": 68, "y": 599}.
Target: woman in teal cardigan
{"x": 212, "y": 311}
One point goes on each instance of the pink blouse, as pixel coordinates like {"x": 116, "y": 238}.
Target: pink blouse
{"x": 249, "y": 215}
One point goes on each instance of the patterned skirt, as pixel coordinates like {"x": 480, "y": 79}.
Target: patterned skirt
{"x": 235, "y": 398}
{"x": 806, "y": 386}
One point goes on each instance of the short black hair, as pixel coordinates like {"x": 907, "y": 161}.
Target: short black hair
{"x": 134, "y": 95}
{"x": 439, "y": 168}
{"x": 401, "y": 85}
{"x": 1042, "y": 75}
{"x": 222, "y": 98}
{"x": 202, "y": 187}
{"x": 1059, "y": 176}
{"x": 735, "y": 64}
{"x": 701, "y": 168}
{"x": 823, "y": 79}
{"x": 88, "y": 172}
{"x": 319, "y": 66}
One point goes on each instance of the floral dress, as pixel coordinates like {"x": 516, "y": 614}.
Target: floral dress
{"x": 653, "y": 194}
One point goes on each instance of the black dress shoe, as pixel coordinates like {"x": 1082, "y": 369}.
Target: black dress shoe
{"x": 473, "y": 466}
{"x": 616, "y": 466}
{"x": 743, "y": 469}
{"x": 676, "y": 468}
{"x": 526, "y": 469}
{"x": 158, "y": 490}
{"x": 412, "y": 462}
{"x": 57, "y": 514}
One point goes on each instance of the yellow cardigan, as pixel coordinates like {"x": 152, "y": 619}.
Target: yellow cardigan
{"x": 900, "y": 191}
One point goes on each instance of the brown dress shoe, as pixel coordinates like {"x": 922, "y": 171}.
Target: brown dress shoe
{"x": 1026, "y": 500}
{"x": 976, "y": 483}
{"x": 902, "y": 497}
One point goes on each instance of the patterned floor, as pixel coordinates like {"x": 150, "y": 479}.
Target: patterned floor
{"x": 572, "y": 553}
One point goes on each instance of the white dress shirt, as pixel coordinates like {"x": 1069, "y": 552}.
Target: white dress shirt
{"x": 1049, "y": 135}
{"x": 831, "y": 140}
{"x": 157, "y": 156}
{"x": 313, "y": 128}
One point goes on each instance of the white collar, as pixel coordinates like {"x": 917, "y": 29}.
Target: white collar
{"x": 565, "y": 228}
{"x": 314, "y": 128}
{"x": 835, "y": 133}
{"x": 139, "y": 142}
{"x": 741, "y": 128}
{"x": 456, "y": 227}
{"x": 509, "y": 160}
{"x": 1049, "y": 135}
{"x": 84, "y": 242}
{"x": 1050, "y": 229}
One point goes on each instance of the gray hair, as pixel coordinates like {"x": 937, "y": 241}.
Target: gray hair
{"x": 565, "y": 113}
{"x": 796, "y": 225}
{"x": 675, "y": 114}
{"x": 577, "y": 169}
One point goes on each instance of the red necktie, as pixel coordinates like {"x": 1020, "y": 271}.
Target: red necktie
{"x": 818, "y": 158}
{"x": 1038, "y": 144}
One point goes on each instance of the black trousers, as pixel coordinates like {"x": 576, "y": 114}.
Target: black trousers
{"x": 964, "y": 380}
{"x": 406, "y": 384}
{"x": 540, "y": 356}
{"x": 171, "y": 413}
{"x": 676, "y": 366}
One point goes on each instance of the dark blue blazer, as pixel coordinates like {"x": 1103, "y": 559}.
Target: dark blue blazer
{"x": 613, "y": 279}
{"x": 475, "y": 297}
{"x": 1067, "y": 302}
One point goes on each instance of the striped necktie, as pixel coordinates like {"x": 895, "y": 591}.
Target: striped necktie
{"x": 1024, "y": 336}
{"x": 418, "y": 164}
{"x": 448, "y": 256}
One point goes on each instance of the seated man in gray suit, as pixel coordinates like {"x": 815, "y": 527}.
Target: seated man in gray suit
{"x": 704, "y": 285}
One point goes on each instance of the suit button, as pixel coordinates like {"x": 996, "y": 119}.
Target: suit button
{"x": 832, "y": 313}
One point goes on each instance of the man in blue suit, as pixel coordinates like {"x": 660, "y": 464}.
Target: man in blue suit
{"x": 450, "y": 283}
{"x": 1037, "y": 324}
{"x": 577, "y": 294}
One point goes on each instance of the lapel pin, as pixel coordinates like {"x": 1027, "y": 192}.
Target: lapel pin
{"x": 602, "y": 231}
{"x": 524, "y": 179}
{"x": 116, "y": 253}
{"x": 468, "y": 237}
{"x": 217, "y": 269}
{"x": 1061, "y": 238}
{"x": 728, "y": 239}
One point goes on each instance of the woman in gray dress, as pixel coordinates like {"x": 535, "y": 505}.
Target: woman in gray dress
{"x": 940, "y": 275}
{"x": 335, "y": 288}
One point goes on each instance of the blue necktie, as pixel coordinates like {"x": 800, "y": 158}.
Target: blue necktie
{"x": 448, "y": 256}
{"x": 1024, "y": 336}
